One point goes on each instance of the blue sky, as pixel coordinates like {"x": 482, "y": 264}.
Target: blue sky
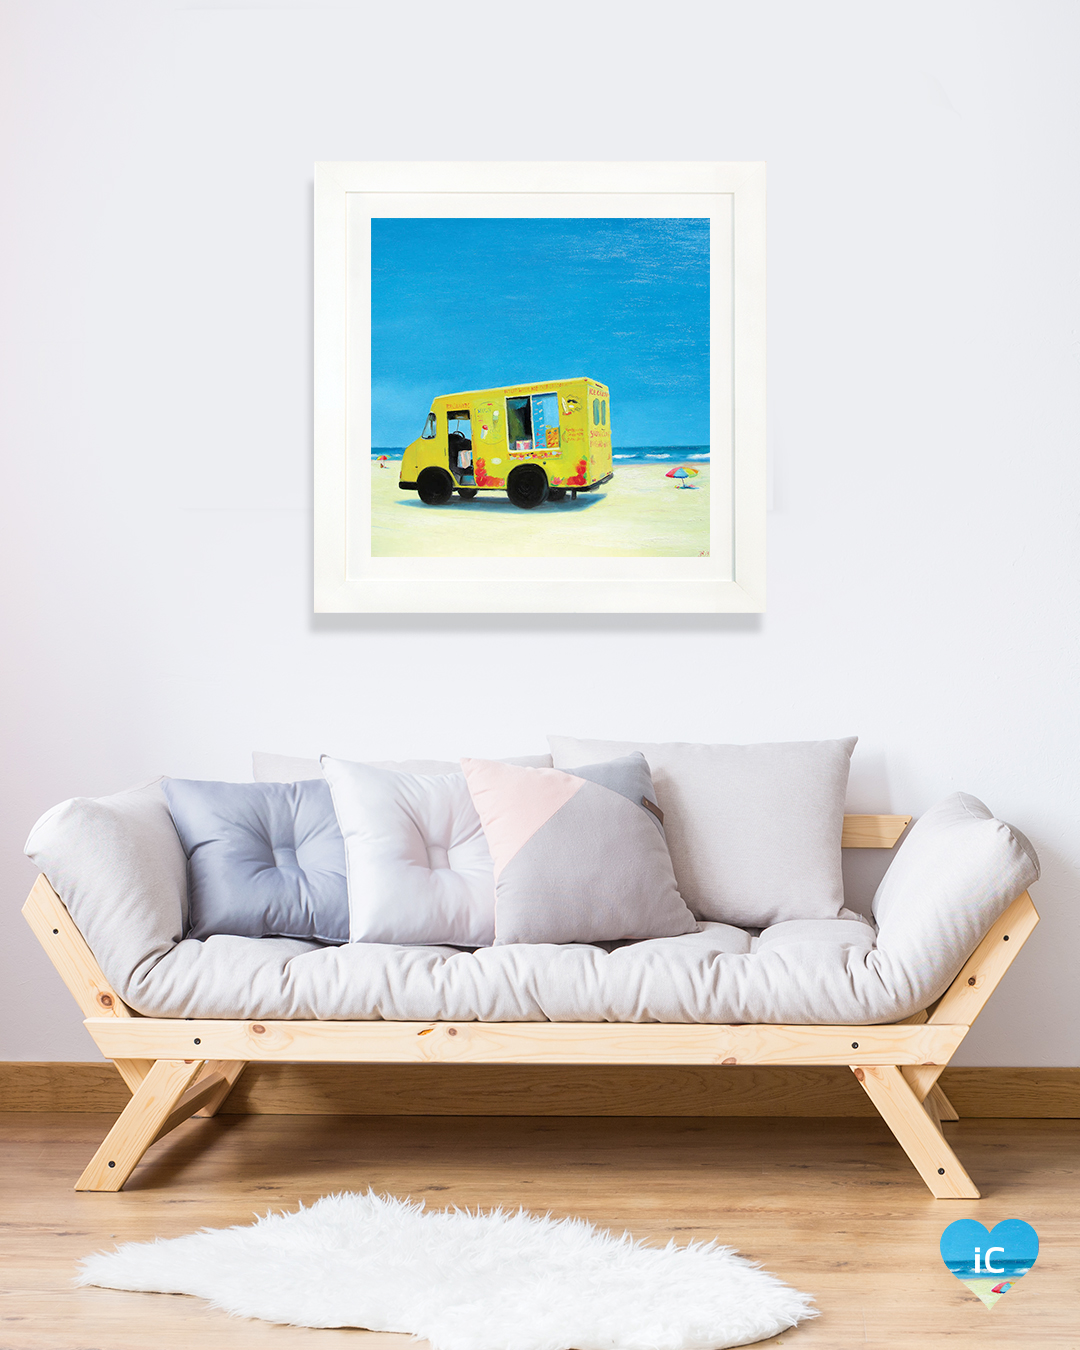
{"x": 478, "y": 303}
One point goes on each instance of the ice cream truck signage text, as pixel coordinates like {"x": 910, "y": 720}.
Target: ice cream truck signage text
{"x": 536, "y": 442}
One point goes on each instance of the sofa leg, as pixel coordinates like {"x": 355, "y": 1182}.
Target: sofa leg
{"x": 133, "y": 1071}
{"x": 944, "y": 1108}
{"x": 229, "y": 1070}
{"x": 916, "y": 1131}
{"x": 141, "y": 1122}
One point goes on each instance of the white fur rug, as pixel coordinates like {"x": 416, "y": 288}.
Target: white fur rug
{"x": 464, "y": 1281}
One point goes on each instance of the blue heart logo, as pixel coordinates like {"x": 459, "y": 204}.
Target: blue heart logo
{"x": 989, "y": 1263}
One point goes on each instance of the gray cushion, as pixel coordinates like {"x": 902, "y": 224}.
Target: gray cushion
{"x": 264, "y": 859}
{"x": 754, "y": 830}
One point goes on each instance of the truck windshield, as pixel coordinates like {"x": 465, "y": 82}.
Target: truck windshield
{"x": 428, "y": 432}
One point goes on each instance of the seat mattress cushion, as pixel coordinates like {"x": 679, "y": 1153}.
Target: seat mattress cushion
{"x": 715, "y": 975}
{"x": 117, "y": 864}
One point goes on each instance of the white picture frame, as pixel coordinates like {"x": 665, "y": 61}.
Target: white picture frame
{"x": 730, "y": 579}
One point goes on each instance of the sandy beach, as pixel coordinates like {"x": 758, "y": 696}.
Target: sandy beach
{"x": 639, "y": 514}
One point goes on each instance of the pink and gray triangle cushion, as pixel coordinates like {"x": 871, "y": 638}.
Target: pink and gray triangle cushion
{"x": 579, "y": 856}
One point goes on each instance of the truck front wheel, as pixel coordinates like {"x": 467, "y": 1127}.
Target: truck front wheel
{"x": 528, "y": 487}
{"x": 434, "y": 486}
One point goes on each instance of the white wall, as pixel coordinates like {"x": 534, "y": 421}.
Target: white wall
{"x": 155, "y": 247}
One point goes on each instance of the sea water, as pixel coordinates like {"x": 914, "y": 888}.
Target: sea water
{"x": 660, "y": 454}
{"x": 1003, "y": 1270}
{"x": 627, "y": 454}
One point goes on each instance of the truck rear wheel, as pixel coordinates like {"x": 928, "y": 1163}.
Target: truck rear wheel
{"x": 528, "y": 487}
{"x": 434, "y": 486}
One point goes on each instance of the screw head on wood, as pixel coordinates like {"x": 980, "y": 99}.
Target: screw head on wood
{"x": 854, "y": 1045}
{"x": 197, "y": 1041}
{"x": 56, "y": 930}
{"x": 112, "y": 1164}
{"x": 1005, "y": 938}
{"x": 941, "y": 1171}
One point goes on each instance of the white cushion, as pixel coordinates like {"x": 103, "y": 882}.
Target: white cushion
{"x": 266, "y": 768}
{"x": 753, "y": 830}
{"x": 417, "y": 862}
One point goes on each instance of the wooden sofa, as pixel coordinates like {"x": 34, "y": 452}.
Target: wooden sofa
{"x": 178, "y": 1068}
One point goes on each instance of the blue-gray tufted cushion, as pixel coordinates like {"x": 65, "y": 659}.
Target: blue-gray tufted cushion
{"x": 264, "y": 859}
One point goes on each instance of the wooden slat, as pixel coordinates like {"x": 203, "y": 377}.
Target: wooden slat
{"x": 523, "y": 1042}
{"x": 981, "y": 974}
{"x": 873, "y": 831}
{"x": 916, "y": 1132}
{"x": 139, "y": 1124}
{"x": 66, "y": 947}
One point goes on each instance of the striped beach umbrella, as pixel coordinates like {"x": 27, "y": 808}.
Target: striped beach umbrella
{"x": 682, "y": 475}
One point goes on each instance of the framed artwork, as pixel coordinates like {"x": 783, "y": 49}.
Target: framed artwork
{"x": 539, "y": 387}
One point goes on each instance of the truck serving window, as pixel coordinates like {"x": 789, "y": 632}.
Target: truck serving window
{"x": 428, "y": 432}
{"x": 519, "y": 420}
{"x": 533, "y": 423}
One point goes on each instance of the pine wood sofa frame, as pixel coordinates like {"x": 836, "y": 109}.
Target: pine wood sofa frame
{"x": 177, "y": 1068}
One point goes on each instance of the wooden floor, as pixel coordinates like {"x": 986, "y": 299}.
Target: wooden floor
{"x": 831, "y": 1206}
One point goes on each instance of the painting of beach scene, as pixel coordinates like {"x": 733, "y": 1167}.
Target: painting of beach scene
{"x": 540, "y": 387}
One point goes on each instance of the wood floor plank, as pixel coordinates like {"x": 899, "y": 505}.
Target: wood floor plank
{"x": 832, "y": 1206}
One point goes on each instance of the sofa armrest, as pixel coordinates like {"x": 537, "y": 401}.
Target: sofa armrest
{"x": 956, "y": 873}
{"x": 120, "y": 869}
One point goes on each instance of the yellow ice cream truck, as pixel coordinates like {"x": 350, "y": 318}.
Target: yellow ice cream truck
{"x": 535, "y": 442}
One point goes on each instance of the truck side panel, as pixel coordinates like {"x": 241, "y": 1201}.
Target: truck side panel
{"x": 599, "y": 422}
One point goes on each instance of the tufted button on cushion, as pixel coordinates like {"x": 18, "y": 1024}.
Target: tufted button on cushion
{"x": 418, "y": 862}
{"x": 264, "y": 859}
